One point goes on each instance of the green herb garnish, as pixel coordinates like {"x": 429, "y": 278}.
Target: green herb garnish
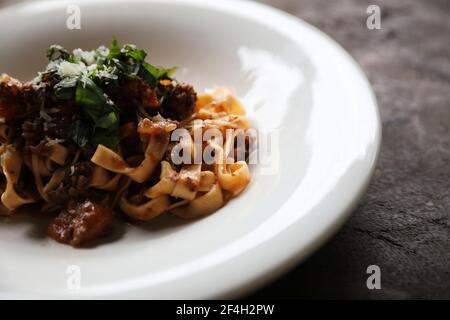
{"x": 84, "y": 76}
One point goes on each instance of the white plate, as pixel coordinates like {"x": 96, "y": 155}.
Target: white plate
{"x": 289, "y": 75}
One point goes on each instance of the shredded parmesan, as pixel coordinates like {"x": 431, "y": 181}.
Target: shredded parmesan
{"x": 44, "y": 115}
{"x": 52, "y": 142}
{"x": 66, "y": 69}
{"x": 87, "y": 56}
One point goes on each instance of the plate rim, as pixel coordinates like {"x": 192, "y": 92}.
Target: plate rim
{"x": 229, "y": 289}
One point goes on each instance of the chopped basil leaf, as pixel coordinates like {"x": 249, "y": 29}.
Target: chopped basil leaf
{"x": 99, "y": 112}
{"x": 89, "y": 95}
{"x": 85, "y": 79}
{"x": 106, "y": 138}
{"x": 114, "y": 50}
{"x": 159, "y": 73}
{"x": 131, "y": 51}
{"x": 80, "y": 133}
{"x": 107, "y": 121}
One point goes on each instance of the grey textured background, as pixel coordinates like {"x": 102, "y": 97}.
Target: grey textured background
{"x": 403, "y": 222}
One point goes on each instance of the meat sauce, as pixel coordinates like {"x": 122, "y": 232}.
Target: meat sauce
{"x": 81, "y": 224}
{"x": 34, "y": 113}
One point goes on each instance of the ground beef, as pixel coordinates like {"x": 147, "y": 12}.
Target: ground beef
{"x": 81, "y": 224}
{"x": 11, "y": 99}
{"x": 35, "y": 98}
{"x": 132, "y": 95}
{"x": 172, "y": 100}
{"x": 74, "y": 185}
{"x": 33, "y": 131}
{"x": 178, "y": 101}
{"x": 34, "y": 112}
{"x": 63, "y": 115}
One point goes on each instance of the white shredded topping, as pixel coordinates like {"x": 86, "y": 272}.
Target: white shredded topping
{"x": 52, "y": 142}
{"x": 52, "y": 64}
{"x": 71, "y": 69}
{"x": 106, "y": 74}
{"x": 44, "y": 115}
{"x": 53, "y": 110}
{"x": 92, "y": 67}
{"x": 87, "y": 56}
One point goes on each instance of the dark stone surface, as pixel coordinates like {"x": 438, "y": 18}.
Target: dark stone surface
{"x": 403, "y": 223}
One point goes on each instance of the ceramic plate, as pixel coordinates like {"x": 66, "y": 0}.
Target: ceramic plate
{"x": 300, "y": 88}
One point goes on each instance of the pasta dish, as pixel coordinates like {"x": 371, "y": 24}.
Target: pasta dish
{"x": 103, "y": 133}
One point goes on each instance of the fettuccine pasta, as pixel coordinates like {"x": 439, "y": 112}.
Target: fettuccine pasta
{"x": 102, "y": 134}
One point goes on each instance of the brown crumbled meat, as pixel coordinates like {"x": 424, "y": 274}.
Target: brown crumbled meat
{"x": 34, "y": 112}
{"x": 9, "y": 85}
{"x": 172, "y": 100}
{"x": 34, "y": 98}
{"x": 74, "y": 185}
{"x": 133, "y": 93}
{"x": 178, "y": 101}
{"x": 81, "y": 224}
{"x": 62, "y": 117}
{"x": 11, "y": 100}
{"x": 33, "y": 131}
